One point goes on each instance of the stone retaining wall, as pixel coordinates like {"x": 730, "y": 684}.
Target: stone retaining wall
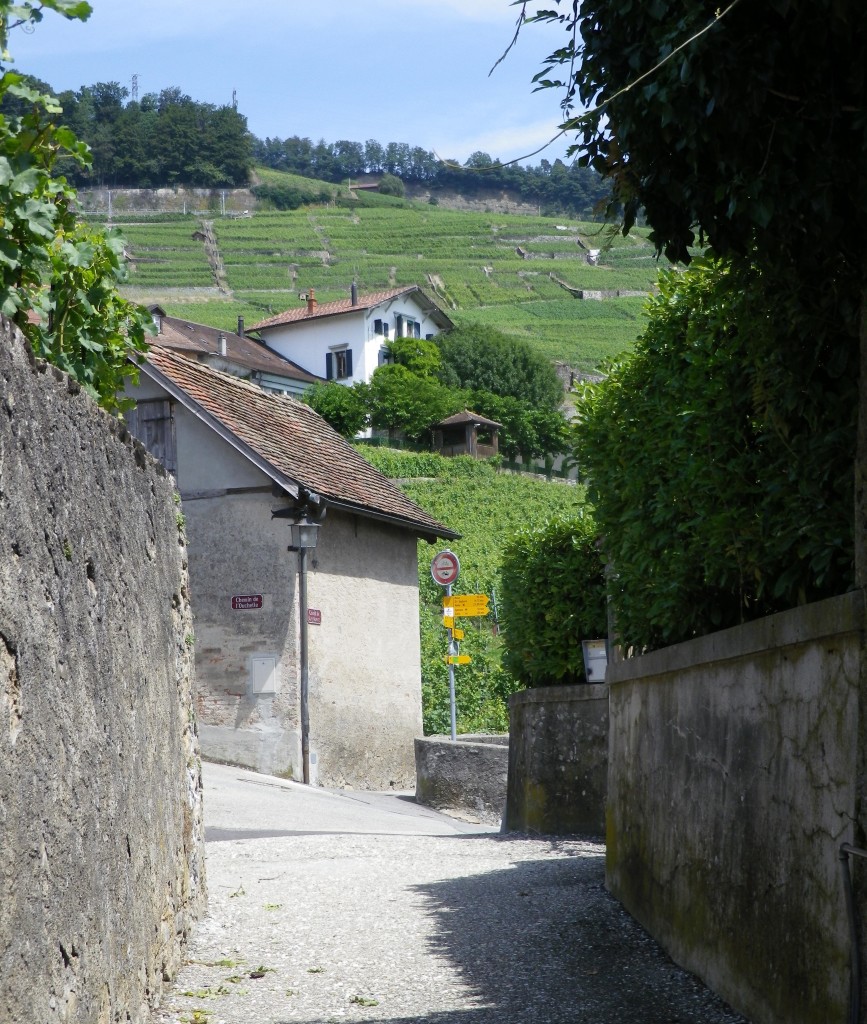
{"x": 101, "y": 859}
{"x": 558, "y": 760}
{"x": 733, "y": 781}
{"x": 466, "y": 777}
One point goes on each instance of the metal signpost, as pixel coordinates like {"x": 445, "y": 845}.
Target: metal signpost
{"x": 445, "y": 568}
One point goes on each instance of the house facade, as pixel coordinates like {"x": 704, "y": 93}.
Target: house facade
{"x": 239, "y": 455}
{"x": 346, "y": 340}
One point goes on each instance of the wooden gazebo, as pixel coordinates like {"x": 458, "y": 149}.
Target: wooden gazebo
{"x": 467, "y": 433}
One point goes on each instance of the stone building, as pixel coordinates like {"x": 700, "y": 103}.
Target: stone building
{"x": 238, "y": 455}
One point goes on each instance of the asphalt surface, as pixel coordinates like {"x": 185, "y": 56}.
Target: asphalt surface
{"x": 329, "y": 906}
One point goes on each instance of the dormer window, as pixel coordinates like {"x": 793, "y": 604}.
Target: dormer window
{"x": 158, "y": 322}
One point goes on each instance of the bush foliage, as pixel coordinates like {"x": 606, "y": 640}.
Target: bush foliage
{"x": 720, "y": 472}
{"x": 553, "y": 597}
{"x": 488, "y": 508}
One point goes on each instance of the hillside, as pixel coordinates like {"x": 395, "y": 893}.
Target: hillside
{"x": 487, "y": 508}
{"x": 529, "y": 276}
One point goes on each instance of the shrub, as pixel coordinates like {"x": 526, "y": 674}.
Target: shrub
{"x": 720, "y": 471}
{"x": 553, "y": 597}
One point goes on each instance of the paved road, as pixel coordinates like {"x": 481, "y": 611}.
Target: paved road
{"x": 344, "y": 906}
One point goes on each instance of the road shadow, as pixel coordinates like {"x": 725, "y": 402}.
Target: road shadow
{"x": 543, "y": 942}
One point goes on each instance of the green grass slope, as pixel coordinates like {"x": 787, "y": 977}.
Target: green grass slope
{"x": 510, "y": 271}
{"x": 487, "y": 507}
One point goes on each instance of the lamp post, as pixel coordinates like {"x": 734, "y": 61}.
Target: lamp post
{"x": 305, "y": 516}
{"x": 305, "y": 534}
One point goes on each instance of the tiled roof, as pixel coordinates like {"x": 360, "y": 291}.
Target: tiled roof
{"x": 199, "y": 340}
{"x": 364, "y": 302}
{"x": 294, "y": 440}
{"x": 467, "y": 417}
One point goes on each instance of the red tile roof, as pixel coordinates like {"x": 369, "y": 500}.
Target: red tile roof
{"x": 467, "y": 417}
{"x": 200, "y": 340}
{"x": 364, "y": 302}
{"x": 292, "y": 439}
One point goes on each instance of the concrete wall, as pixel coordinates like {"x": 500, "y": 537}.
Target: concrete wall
{"x": 558, "y": 760}
{"x": 101, "y": 859}
{"x": 731, "y": 786}
{"x": 466, "y": 778}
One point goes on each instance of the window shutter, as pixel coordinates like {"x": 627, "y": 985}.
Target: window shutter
{"x": 377, "y": 327}
{"x": 416, "y": 329}
{"x": 329, "y": 366}
{"x": 398, "y": 326}
{"x": 349, "y": 362}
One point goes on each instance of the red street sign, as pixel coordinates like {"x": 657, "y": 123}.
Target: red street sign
{"x": 445, "y": 568}
{"x": 246, "y": 602}
{"x": 314, "y": 617}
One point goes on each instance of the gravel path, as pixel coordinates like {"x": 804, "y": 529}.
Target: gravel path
{"x": 461, "y": 926}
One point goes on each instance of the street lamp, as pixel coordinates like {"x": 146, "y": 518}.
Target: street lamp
{"x": 305, "y": 534}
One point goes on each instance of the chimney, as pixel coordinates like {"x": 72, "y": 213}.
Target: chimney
{"x": 241, "y": 326}
{"x": 311, "y": 301}
{"x": 223, "y": 344}
{"x": 353, "y": 291}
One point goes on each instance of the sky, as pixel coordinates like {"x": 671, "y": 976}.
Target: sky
{"x": 414, "y": 71}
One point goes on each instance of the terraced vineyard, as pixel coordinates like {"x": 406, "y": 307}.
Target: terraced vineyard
{"x": 523, "y": 275}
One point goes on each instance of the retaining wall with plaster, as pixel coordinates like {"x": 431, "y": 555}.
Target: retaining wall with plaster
{"x": 101, "y": 861}
{"x": 732, "y": 784}
{"x": 466, "y": 777}
{"x": 558, "y": 760}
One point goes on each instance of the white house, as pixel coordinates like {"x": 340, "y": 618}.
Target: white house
{"x": 238, "y": 455}
{"x": 345, "y": 340}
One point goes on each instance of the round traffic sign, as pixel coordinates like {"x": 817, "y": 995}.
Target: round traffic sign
{"x": 444, "y": 568}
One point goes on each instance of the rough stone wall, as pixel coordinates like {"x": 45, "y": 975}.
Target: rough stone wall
{"x": 731, "y": 787}
{"x": 101, "y": 860}
{"x": 466, "y": 778}
{"x": 558, "y": 760}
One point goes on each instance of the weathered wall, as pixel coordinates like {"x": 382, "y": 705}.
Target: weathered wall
{"x": 558, "y": 760}
{"x": 101, "y": 860}
{"x": 731, "y": 787}
{"x": 364, "y": 656}
{"x": 466, "y": 777}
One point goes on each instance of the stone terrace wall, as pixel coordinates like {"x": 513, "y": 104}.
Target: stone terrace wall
{"x": 101, "y": 859}
{"x": 732, "y": 784}
{"x": 558, "y": 760}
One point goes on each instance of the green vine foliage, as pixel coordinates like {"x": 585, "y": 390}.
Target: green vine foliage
{"x": 487, "y": 508}
{"x": 553, "y": 597}
{"x": 51, "y": 266}
{"x": 720, "y": 472}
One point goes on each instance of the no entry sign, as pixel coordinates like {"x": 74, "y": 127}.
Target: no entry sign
{"x": 444, "y": 568}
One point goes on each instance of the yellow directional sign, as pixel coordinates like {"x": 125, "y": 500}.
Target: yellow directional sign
{"x": 458, "y": 659}
{"x": 449, "y": 621}
{"x": 457, "y": 634}
{"x": 467, "y": 606}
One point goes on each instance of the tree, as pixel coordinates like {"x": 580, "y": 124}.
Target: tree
{"x": 343, "y": 408}
{"x": 420, "y": 356}
{"x": 49, "y": 264}
{"x": 484, "y": 359}
{"x": 742, "y": 127}
{"x": 402, "y": 402}
{"x": 390, "y": 185}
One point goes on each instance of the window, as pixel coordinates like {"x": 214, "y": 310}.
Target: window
{"x": 338, "y": 364}
{"x": 377, "y": 327}
{"x": 384, "y": 358}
